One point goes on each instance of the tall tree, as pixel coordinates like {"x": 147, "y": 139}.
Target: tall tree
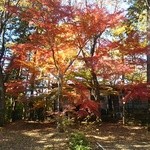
{"x": 61, "y": 33}
{"x": 137, "y": 8}
{"x": 92, "y": 27}
{"x": 9, "y": 27}
{"x": 148, "y": 39}
{"x": 4, "y": 18}
{"x": 52, "y": 37}
{"x": 64, "y": 35}
{"x": 148, "y": 56}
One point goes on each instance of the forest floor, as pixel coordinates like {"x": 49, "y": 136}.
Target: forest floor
{"x": 23, "y": 135}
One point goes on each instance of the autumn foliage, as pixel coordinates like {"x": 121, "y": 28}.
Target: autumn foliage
{"x": 66, "y": 40}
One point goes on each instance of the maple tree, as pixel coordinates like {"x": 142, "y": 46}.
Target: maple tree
{"x": 92, "y": 28}
{"x": 59, "y": 37}
{"x": 76, "y": 49}
{"x": 55, "y": 35}
{"x": 50, "y": 50}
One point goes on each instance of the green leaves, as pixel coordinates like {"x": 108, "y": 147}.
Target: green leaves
{"x": 78, "y": 141}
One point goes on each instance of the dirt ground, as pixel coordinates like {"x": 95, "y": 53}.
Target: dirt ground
{"x": 45, "y": 136}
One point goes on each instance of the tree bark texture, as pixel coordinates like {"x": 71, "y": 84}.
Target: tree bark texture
{"x": 2, "y": 99}
{"x": 148, "y": 56}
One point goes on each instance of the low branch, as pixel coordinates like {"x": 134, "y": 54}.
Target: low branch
{"x": 72, "y": 61}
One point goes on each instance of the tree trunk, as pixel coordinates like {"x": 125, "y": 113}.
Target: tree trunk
{"x": 148, "y": 57}
{"x": 95, "y": 91}
{"x": 2, "y": 99}
{"x": 60, "y": 125}
{"x": 59, "y": 99}
{"x": 2, "y": 51}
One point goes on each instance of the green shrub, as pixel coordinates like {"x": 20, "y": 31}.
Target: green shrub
{"x": 78, "y": 141}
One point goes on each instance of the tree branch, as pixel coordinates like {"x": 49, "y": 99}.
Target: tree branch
{"x": 148, "y": 3}
{"x": 72, "y": 61}
{"x": 94, "y": 43}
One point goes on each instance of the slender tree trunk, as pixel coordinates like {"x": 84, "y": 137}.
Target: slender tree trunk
{"x": 60, "y": 125}
{"x": 60, "y": 88}
{"x": 148, "y": 57}
{"x": 95, "y": 89}
{"x": 2, "y": 99}
{"x": 2, "y": 51}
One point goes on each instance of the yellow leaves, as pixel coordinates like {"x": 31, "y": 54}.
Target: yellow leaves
{"x": 2, "y": 5}
{"x": 66, "y": 53}
{"x": 24, "y": 3}
{"x": 12, "y": 5}
{"x": 119, "y": 30}
{"x": 142, "y": 21}
{"x": 115, "y": 54}
{"x": 143, "y": 43}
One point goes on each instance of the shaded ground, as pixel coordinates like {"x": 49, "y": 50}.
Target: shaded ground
{"x": 44, "y": 136}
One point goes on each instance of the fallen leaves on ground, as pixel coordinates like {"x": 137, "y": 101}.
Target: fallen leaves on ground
{"x": 24, "y": 135}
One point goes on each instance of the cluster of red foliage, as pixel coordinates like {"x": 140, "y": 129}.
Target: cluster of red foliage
{"x": 63, "y": 34}
{"x": 137, "y": 91}
{"x": 16, "y": 87}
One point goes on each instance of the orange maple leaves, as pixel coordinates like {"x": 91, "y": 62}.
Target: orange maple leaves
{"x": 60, "y": 33}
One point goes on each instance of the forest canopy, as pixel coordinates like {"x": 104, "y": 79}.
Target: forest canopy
{"x": 61, "y": 55}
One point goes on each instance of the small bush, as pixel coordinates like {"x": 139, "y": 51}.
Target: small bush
{"x": 78, "y": 141}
